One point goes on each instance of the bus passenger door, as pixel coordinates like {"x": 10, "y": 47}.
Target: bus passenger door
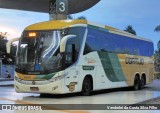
{"x": 71, "y": 80}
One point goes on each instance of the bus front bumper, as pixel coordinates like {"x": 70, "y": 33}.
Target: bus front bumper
{"x": 50, "y": 88}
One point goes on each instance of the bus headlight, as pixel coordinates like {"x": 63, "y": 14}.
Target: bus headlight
{"x": 60, "y": 77}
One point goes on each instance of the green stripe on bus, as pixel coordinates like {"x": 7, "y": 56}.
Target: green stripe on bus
{"x": 116, "y": 66}
{"x": 47, "y": 77}
{"x": 111, "y": 66}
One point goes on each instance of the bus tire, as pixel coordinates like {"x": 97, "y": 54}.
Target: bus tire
{"x": 143, "y": 82}
{"x": 86, "y": 87}
{"x": 136, "y": 83}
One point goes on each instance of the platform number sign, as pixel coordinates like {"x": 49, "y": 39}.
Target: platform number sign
{"x": 62, "y": 6}
{"x": 52, "y": 6}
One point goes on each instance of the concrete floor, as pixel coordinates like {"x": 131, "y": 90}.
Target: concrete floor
{"x": 116, "y": 96}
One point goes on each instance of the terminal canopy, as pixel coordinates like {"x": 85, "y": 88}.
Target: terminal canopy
{"x": 75, "y": 6}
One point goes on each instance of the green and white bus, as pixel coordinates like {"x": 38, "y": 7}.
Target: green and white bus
{"x": 68, "y": 56}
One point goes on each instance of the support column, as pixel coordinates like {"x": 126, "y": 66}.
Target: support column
{"x": 57, "y": 17}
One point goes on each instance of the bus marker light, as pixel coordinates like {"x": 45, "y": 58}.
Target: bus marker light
{"x": 32, "y": 34}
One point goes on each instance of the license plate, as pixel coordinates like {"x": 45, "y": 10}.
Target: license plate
{"x": 34, "y": 88}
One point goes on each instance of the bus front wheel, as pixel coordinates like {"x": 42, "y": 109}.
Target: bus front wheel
{"x": 86, "y": 87}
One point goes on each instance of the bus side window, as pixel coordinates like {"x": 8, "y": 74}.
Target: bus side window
{"x": 70, "y": 53}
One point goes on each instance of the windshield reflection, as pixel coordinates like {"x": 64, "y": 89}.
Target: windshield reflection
{"x": 40, "y": 53}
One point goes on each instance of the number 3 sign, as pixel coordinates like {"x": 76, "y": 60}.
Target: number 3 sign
{"x": 62, "y": 6}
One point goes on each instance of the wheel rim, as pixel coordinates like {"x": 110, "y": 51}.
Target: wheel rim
{"x": 86, "y": 86}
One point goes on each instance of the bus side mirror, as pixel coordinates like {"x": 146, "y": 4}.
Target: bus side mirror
{"x": 8, "y": 44}
{"x": 64, "y": 42}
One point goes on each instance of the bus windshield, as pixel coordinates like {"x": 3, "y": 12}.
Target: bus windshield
{"x": 39, "y": 54}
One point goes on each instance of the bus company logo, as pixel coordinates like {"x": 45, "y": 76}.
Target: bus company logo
{"x": 90, "y": 60}
{"x": 139, "y": 61}
{"x": 71, "y": 86}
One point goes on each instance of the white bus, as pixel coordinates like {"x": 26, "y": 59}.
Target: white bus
{"x": 68, "y": 56}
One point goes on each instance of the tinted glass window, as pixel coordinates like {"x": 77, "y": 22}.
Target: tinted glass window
{"x": 98, "y": 40}
{"x": 73, "y": 45}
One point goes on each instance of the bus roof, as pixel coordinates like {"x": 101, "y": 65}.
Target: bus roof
{"x": 61, "y": 24}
